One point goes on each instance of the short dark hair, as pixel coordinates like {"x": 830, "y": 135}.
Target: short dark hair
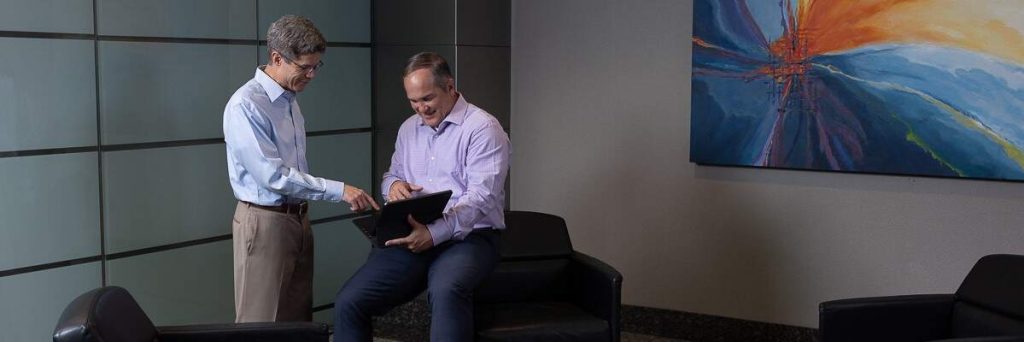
{"x": 293, "y": 36}
{"x": 433, "y": 61}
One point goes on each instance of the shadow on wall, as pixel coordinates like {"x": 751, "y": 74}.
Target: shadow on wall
{"x": 864, "y": 182}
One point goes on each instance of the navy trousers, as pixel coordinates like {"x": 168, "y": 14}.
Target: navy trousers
{"x": 392, "y": 276}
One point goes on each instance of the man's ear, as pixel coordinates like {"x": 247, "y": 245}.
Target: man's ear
{"x": 275, "y": 58}
{"x": 450, "y": 85}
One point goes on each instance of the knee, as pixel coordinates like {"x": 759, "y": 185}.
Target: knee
{"x": 347, "y": 301}
{"x": 449, "y": 292}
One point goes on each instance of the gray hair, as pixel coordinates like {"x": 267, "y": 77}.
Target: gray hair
{"x": 433, "y": 61}
{"x": 293, "y": 36}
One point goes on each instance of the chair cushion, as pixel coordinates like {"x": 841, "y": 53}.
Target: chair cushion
{"x": 995, "y": 283}
{"x": 538, "y": 321}
{"x": 973, "y": 321}
{"x": 515, "y": 281}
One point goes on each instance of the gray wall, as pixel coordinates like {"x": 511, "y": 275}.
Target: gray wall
{"x": 472, "y": 35}
{"x": 113, "y": 159}
{"x": 600, "y": 102}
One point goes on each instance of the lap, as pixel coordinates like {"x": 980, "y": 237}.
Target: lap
{"x": 389, "y": 277}
{"x": 392, "y": 276}
{"x": 467, "y": 262}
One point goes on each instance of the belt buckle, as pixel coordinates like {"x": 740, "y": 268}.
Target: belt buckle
{"x": 299, "y": 208}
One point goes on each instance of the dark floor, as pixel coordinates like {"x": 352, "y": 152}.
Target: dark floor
{"x": 411, "y": 322}
{"x": 389, "y": 332}
{"x": 626, "y": 337}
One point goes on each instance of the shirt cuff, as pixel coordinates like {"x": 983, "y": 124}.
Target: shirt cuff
{"x": 334, "y": 191}
{"x": 385, "y": 187}
{"x": 440, "y": 231}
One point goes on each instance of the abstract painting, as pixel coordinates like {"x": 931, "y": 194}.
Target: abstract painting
{"x": 916, "y": 87}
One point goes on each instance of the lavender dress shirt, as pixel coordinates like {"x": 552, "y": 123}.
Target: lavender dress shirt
{"x": 468, "y": 153}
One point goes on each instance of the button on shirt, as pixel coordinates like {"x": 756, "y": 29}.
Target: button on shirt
{"x": 266, "y": 147}
{"x": 467, "y": 153}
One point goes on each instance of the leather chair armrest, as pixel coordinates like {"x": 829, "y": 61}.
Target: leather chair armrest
{"x": 879, "y": 319}
{"x": 253, "y": 332}
{"x": 597, "y": 288}
{"x": 1018, "y": 338}
{"x": 74, "y": 323}
{"x": 103, "y": 312}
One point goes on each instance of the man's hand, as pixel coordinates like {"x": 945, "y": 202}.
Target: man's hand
{"x": 358, "y": 199}
{"x": 417, "y": 241}
{"x": 401, "y": 190}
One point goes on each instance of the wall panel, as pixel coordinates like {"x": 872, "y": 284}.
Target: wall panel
{"x": 47, "y": 69}
{"x": 51, "y": 209}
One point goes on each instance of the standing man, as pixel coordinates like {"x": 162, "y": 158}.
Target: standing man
{"x": 266, "y": 148}
{"x": 449, "y": 144}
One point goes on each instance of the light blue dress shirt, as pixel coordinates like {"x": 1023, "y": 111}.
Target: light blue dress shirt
{"x": 468, "y": 154}
{"x": 266, "y": 146}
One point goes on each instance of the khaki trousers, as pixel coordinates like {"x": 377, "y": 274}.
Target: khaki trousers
{"x": 273, "y": 259}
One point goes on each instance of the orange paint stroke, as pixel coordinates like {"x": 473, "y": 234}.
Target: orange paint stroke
{"x": 992, "y": 27}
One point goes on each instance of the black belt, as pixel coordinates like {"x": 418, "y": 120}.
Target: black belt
{"x": 288, "y": 208}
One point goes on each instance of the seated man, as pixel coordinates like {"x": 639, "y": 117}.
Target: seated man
{"x": 449, "y": 144}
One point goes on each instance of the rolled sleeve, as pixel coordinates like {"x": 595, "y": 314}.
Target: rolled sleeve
{"x": 334, "y": 190}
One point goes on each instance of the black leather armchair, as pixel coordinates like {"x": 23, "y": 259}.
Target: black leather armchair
{"x": 110, "y": 314}
{"x": 542, "y": 290}
{"x": 988, "y": 306}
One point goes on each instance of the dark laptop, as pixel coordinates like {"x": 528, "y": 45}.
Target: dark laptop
{"x": 390, "y": 222}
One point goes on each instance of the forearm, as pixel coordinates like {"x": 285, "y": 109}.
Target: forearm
{"x": 295, "y": 184}
{"x": 458, "y": 220}
{"x": 484, "y": 197}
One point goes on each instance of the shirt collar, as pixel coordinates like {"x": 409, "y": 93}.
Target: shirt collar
{"x": 273, "y": 89}
{"x": 457, "y": 115}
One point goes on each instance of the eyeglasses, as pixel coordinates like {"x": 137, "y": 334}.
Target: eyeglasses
{"x": 306, "y": 69}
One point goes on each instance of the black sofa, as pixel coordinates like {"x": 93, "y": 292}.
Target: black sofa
{"x": 988, "y": 306}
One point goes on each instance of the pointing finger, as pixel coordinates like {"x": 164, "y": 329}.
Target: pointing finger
{"x": 396, "y": 242}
